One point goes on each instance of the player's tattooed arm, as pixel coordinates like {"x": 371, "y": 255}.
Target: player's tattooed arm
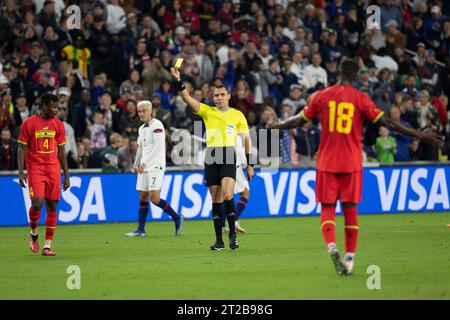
{"x": 290, "y": 123}
{"x": 62, "y": 156}
{"x": 20, "y": 159}
{"x": 428, "y": 135}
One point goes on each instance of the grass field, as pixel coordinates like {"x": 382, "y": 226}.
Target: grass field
{"x": 279, "y": 258}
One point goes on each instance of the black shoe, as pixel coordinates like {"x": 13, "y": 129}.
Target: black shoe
{"x": 218, "y": 246}
{"x": 233, "y": 242}
{"x": 337, "y": 261}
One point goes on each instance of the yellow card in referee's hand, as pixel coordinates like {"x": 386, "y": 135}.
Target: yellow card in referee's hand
{"x": 178, "y": 63}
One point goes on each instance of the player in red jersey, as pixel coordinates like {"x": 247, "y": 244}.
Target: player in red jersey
{"x": 41, "y": 141}
{"x": 342, "y": 109}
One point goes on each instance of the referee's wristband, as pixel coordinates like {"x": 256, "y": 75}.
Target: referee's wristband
{"x": 247, "y": 156}
{"x": 179, "y": 85}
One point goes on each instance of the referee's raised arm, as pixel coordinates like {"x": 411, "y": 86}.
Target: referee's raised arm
{"x": 192, "y": 103}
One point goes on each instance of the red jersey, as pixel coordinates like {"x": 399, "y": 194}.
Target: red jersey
{"x": 342, "y": 110}
{"x": 42, "y": 138}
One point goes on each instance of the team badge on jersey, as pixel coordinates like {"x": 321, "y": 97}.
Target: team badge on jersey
{"x": 230, "y": 129}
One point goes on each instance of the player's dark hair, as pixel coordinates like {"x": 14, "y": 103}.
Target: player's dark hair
{"x": 46, "y": 99}
{"x": 220, "y": 86}
{"x": 348, "y": 70}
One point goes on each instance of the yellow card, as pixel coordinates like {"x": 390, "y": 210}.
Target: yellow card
{"x": 178, "y": 63}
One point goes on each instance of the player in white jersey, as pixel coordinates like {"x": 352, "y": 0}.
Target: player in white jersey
{"x": 241, "y": 186}
{"x": 150, "y": 165}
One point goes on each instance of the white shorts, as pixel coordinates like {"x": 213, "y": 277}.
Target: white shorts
{"x": 241, "y": 181}
{"x": 151, "y": 180}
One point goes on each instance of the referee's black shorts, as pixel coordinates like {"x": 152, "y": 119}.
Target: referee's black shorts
{"x": 219, "y": 163}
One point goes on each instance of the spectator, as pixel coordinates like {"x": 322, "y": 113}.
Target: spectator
{"x": 110, "y": 112}
{"x": 408, "y": 112}
{"x": 129, "y": 121}
{"x": 70, "y": 146}
{"x": 242, "y": 98}
{"x": 307, "y": 143}
{"x": 127, "y": 154}
{"x": 45, "y": 64}
{"x": 427, "y": 115}
{"x": 432, "y": 73}
{"x": 110, "y": 159}
{"x": 8, "y": 151}
{"x": 22, "y": 107}
{"x": 433, "y": 27}
{"x": 385, "y": 146}
{"x": 274, "y": 80}
{"x": 153, "y": 75}
{"x": 159, "y": 113}
{"x": 390, "y": 11}
{"x": 47, "y": 16}
{"x": 140, "y": 58}
{"x": 401, "y": 141}
{"x": 204, "y": 63}
{"x": 80, "y": 113}
{"x": 116, "y": 19}
{"x": 314, "y": 73}
{"x": 81, "y": 53}
{"x": 295, "y": 101}
{"x": 81, "y": 160}
{"x": 97, "y": 132}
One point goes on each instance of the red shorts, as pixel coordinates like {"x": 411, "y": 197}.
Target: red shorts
{"x": 331, "y": 187}
{"x": 46, "y": 186}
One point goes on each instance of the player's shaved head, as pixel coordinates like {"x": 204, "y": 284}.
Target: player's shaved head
{"x": 348, "y": 70}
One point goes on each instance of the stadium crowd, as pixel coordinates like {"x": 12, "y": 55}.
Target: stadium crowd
{"x": 270, "y": 54}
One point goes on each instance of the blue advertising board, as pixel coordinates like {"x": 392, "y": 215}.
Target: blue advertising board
{"x": 94, "y": 198}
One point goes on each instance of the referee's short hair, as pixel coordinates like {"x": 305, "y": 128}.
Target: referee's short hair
{"x": 220, "y": 86}
{"x": 145, "y": 103}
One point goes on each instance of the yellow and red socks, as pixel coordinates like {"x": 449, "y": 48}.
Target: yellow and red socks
{"x": 217, "y": 214}
{"x": 327, "y": 224}
{"x": 240, "y": 207}
{"x": 231, "y": 215}
{"x": 143, "y": 212}
{"x": 351, "y": 228}
{"x": 50, "y": 225}
{"x": 34, "y": 217}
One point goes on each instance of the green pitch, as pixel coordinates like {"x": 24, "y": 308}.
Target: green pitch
{"x": 279, "y": 258}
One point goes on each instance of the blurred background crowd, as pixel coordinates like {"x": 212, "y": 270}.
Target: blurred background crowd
{"x": 271, "y": 55}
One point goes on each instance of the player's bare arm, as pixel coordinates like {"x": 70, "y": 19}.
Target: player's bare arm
{"x": 192, "y": 103}
{"x": 428, "y": 135}
{"x": 248, "y": 147}
{"x": 20, "y": 159}
{"x": 290, "y": 123}
{"x": 62, "y": 156}
{"x": 138, "y": 168}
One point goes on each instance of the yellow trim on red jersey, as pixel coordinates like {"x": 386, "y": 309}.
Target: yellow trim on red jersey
{"x": 302, "y": 114}
{"x": 352, "y": 227}
{"x": 19, "y": 141}
{"x": 378, "y": 117}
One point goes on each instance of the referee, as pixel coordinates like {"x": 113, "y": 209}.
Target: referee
{"x": 222, "y": 126}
